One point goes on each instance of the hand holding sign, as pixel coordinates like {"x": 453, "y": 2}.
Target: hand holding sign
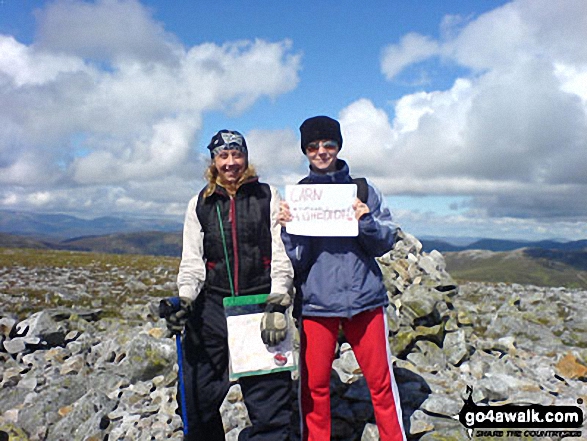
{"x": 284, "y": 215}
{"x": 321, "y": 210}
{"x": 360, "y": 208}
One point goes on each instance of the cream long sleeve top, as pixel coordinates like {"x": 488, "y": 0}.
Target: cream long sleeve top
{"x": 192, "y": 269}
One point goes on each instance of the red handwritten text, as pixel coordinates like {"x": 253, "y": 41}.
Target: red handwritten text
{"x": 306, "y": 194}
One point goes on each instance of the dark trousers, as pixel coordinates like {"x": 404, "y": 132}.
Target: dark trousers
{"x": 205, "y": 348}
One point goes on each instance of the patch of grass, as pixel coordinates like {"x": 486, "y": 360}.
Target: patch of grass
{"x": 35, "y": 280}
{"x": 513, "y": 267}
{"x": 31, "y": 258}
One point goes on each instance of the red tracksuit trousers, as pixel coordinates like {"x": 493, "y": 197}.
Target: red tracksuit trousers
{"x": 367, "y": 334}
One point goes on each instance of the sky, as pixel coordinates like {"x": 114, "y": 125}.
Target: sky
{"x": 469, "y": 115}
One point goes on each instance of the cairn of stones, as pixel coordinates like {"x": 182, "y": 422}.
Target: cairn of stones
{"x": 85, "y": 374}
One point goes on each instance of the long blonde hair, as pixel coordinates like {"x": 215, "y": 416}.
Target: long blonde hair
{"x": 211, "y": 176}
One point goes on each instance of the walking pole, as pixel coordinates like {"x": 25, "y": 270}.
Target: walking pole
{"x": 166, "y": 307}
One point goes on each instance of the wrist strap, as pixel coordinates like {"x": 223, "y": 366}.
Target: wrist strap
{"x": 274, "y": 307}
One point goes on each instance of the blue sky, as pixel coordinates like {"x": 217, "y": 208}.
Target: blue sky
{"x": 470, "y": 116}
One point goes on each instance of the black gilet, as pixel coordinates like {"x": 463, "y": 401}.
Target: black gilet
{"x": 246, "y": 219}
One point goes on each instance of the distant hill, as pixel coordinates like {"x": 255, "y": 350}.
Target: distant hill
{"x": 13, "y": 241}
{"x": 152, "y": 242}
{"x": 503, "y": 245}
{"x": 149, "y": 243}
{"x": 535, "y": 266}
{"x": 544, "y": 263}
{"x": 61, "y": 226}
{"x": 532, "y": 266}
{"x": 439, "y": 245}
{"x": 541, "y": 263}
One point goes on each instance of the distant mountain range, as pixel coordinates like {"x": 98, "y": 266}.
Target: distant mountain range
{"x": 503, "y": 245}
{"x": 157, "y": 243}
{"x": 525, "y": 266}
{"x": 544, "y": 263}
{"x": 116, "y": 235}
{"x": 62, "y": 226}
{"x": 163, "y": 237}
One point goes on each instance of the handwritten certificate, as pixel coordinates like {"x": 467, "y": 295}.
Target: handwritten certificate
{"x": 322, "y": 209}
{"x": 248, "y": 355}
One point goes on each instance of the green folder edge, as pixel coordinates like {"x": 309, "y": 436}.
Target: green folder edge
{"x": 252, "y": 300}
{"x": 245, "y": 300}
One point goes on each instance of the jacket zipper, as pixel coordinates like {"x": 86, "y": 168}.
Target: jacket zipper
{"x": 232, "y": 220}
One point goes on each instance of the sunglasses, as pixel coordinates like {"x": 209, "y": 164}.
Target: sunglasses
{"x": 329, "y": 145}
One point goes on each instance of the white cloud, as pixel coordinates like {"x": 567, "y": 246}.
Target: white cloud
{"x": 27, "y": 167}
{"x": 431, "y": 224}
{"x": 106, "y": 30}
{"x": 367, "y": 137}
{"x": 96, "y": 118}
{"x": 277, "y": 156}
{"x": 413, "y": 48}
{"x": 91, "y": 113}
{"x": 166, "y": 196}
{"x": 512, "y": 134}
{"x": 19, "y": 64}
{"x": 573, "y": 80}
{"x": 164, "y": 150}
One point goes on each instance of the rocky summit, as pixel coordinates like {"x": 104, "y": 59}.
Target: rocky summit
{"x": 83, "y": 355}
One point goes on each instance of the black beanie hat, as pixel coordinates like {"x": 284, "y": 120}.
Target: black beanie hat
{"x": 227, "y": 140}
{"x": 320, "y": 127}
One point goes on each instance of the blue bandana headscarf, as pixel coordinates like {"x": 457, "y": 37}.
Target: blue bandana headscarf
{"x": 227, "y": 140}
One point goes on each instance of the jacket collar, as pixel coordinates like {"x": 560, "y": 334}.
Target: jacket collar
{"x": 340, "y": 176}
{"x": 220, "y": 190}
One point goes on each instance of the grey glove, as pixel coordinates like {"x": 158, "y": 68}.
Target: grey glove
{"x": 274, "y": 321}
{"x": 176, "y": 320}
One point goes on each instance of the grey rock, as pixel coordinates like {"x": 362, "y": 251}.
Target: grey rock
{"x": 88, "y": 416}
{"x": 29, "y": 381}
{"x": 11, "y": 376}
{"x": 41, "y": 409}
{"x": 430, "y": 357}
{"x": 455, "y": 347}
{"x": 493, "y": 388}
{"x": 370, "y": 433}
{"x": 7, "y": 324}
{"x": 441, "y": 405}
{"x": 428, "y": 264}
{"x": 40, "y": 328}
{"x": 420, "y": 423}
{"x": 503, "y": 340}
{"x": 418, "y": 304}
{"x": 15, "y": 345}
{"x": 147, "y": 357}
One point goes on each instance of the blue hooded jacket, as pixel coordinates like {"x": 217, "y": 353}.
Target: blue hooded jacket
{"x": 339, "y": 276}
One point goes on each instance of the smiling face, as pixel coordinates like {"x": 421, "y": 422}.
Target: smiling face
{"x": 322, "y": 155}
{"x": 231, "y": 164}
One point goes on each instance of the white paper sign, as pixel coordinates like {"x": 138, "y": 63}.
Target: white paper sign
{"x": 322, "y": 209}
{"x": 249, "y": 355}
